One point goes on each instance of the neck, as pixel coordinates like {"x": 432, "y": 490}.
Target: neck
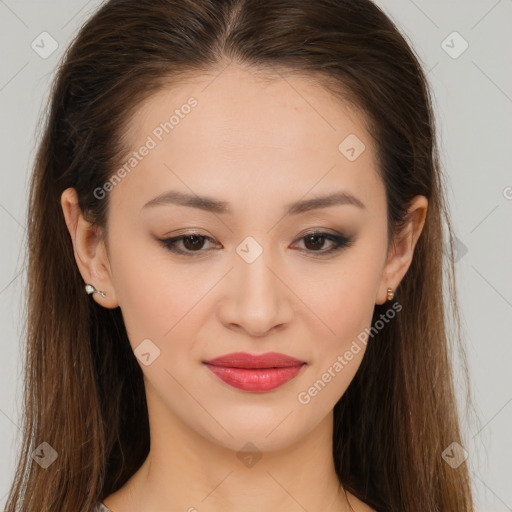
{"x": 186, "y": 471}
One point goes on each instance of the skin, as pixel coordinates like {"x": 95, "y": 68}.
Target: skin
{"x": 258, "y": 145}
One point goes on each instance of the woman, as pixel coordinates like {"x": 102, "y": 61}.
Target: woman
{"x": 236, "y": 268}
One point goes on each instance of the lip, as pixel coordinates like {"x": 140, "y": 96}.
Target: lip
{"x": 257, "y": 373}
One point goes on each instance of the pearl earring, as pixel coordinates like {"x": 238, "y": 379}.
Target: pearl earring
{"x": 89, "y": 288}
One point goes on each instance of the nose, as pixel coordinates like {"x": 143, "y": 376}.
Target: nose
{"x": 256, "y": 297}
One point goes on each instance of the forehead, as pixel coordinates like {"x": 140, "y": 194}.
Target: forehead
{"x": 249, "y": 129}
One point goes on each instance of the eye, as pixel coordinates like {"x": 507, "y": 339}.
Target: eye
{"x": 192, "y": 242}
{"x": 314, "y": 242}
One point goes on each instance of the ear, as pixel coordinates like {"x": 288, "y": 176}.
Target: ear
{"x": 401, "y": 249}
{"x": 90, "y": 250}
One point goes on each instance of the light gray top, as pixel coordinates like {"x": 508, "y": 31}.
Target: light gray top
{"x": 102, "y": 508}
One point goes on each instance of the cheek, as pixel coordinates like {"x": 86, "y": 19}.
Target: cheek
{"x": 346, "y": 308}
{"x": 346, "y": 299}
{"x": 154, "y": 297}
{"x": 345, "y": 305}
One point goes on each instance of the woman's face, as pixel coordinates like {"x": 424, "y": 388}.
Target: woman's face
{"x": 250, "y": 281}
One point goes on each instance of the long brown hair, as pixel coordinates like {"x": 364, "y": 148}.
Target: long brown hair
{"x": 83, "y": 388}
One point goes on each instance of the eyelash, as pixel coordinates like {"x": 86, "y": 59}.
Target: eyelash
{"x": 340, "y": 241}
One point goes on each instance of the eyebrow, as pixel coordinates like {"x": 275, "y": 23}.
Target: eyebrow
{"x": 222, "y": 207}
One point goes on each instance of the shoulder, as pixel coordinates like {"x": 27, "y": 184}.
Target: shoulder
{"x": 101, "y": 508}
{"x": 358, "y": 505}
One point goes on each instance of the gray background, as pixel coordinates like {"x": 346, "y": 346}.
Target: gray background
{"x": 473, "y": 100}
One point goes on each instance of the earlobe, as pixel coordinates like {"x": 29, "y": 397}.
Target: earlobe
{"x": 401, "y": 250}
{"x": 88, "y": 247}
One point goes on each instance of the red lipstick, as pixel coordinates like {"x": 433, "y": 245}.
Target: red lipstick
{"x": 257, "y": 373}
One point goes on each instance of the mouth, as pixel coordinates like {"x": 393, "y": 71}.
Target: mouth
{"x": 256, "y": 373}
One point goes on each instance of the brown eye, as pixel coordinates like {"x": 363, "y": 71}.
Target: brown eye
{"x": 315, "y": 241}
{"x": 191, "y": 243}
